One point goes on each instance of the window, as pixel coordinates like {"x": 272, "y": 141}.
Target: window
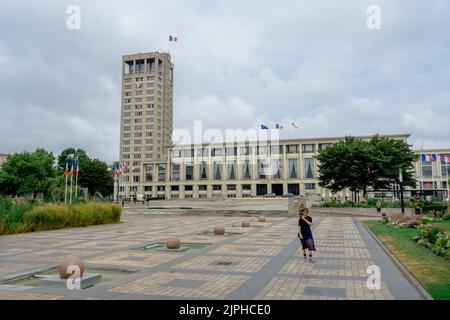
{"x": 217, "y": 187}
{"x": 262, "y": 169}
{"x": 216, "y": 152}
{"x": 246, "y": 171}
{"x": 277, "y": 149}
{"x": 292, "y": 148}
{"x": 427, "y": 170}
{"x": 217, "y": 168}
{"x": 246, "y": 187}
{"x": 294, "y": 188}
{"x": 261, "y": 150}
{"x": 136, "y": 178}
{"x": 309, "y": 168}
{"x": 203, "y": 152}
{"x": 189, "y": 172}
{"x": 245, "y": 151}
{"x": 277, "y": 168}
{"x": 175, "y": 188}
{"x": 160, "y": 188}
{"x": 323, "y": 146}
{"x": 231, "y": 151}
{"x": 293, "y": 168}
{"x": 310, "y": 186}
{"x": 188, "y": 153}
{"x": 188, "y": 188}
{"x": 176, "y": 153}
{"x": 308, "y": 147}
{"x": 231, "y": 170}
{"x": 202, "y": 187}
{"x": 231, "y": 187}
{"x": 203, "y": 169}
{"x": 147, "y": 188}
{"x": 175, "y": 172}
{"x": 161, "y": 172}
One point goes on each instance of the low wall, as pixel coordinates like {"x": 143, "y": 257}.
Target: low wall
{"x": 369, "y": 212}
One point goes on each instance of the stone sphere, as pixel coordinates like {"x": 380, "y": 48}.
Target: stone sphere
{"x": 262, "y": 219}
{"x": 173, "y": 243}
{"x": 245, "y": 224}
{"x": 219, "y": 230}
{"x": 64, "y": 273}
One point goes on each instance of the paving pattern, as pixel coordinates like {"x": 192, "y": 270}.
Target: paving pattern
{"x": 260, "y": 262}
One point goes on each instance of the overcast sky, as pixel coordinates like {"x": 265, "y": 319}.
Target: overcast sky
{"x": 237, "y": 64}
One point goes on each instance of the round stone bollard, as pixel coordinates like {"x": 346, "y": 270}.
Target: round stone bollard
{"x": 173, "y": 243}
{"x": 245, "y": 224}
{"x": 262, "y": 219}
{"x": 65, "y": 272}
{"x": 219, "y": 230}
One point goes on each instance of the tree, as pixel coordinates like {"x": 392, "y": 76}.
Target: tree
{"x": 97, "y": 177}
{"x": 64, "y": 156}
{"x": 356, "y": 164}
{"x": 27, "y": 172}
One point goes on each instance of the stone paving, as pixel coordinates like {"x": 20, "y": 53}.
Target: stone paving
{"x": 260, "y": 262}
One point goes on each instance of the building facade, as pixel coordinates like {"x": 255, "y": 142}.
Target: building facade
{"x": 238, "y": 170}
{"x": 146, "y": 112}
{"x": 433, "y": 172}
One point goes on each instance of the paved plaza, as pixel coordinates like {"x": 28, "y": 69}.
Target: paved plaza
{"x": 260, "y": 262}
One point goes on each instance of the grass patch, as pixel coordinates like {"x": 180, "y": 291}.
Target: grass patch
{"x": 17, "y": 218}
{"x": 429, "y": 269}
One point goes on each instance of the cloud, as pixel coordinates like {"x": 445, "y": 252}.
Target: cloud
{"x": 315, "y": 64}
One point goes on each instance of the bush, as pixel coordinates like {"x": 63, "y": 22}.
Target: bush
{"x": 26, "y": 217}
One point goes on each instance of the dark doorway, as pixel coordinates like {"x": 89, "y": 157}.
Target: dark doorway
{"x": 294, "y": 188}
{"x": 277, "y": 188}
{"x": 261, "y": 189}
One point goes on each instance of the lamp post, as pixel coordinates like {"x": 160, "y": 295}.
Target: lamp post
{"x": 400, "y": 178}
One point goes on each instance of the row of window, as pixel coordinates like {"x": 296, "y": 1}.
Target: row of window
{"x": 427, "y": 170}
{"x": 292, "y": 188}
{"x": 265, "y": 170}
{"x": 247, "y": 150}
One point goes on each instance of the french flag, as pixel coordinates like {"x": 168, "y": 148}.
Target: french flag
{"x": 71, "y": 170}
{"x": 67, "y": 169}
{"x": 78, "y": 169}
{"x": 445, "y": 159}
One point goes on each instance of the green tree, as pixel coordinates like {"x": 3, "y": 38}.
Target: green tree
{"x": 82, "y": 156}
{"x": 27, "y": 172}
{"x": 357, "y": 164}
{"x": 97, "y": 177}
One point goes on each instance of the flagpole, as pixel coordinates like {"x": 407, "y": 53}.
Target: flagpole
{"x": 65, "y": 192}
{"x": 71, "y": 183}
{"x": 76, "y": 182}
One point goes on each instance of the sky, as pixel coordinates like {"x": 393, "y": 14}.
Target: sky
{"x": 238, "y": 64}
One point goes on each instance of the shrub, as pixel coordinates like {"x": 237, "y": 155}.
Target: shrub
{"x": 26, "y": 217}
{"x": 430, "y": 233}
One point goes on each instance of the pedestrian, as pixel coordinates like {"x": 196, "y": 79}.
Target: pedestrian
{"x": 379, "y": 207}
{"x": 305, "y": 234}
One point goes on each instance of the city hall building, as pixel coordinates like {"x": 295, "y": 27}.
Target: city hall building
{"x": 240, "y": 169}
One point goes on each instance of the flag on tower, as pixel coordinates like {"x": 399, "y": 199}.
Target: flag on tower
{"x": 294, "y": 125}
{"x": 67, "y": 169}
{"x": 264, "y": 127}
{"x": 78, "y": 169}
{"x": 278, "y": 126}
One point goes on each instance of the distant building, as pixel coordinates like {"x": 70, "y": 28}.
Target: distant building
{"x": 3, "y": 157}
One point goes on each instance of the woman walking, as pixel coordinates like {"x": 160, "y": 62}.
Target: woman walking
{"x": 305, "y": 234}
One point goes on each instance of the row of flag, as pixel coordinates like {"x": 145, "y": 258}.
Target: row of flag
{"x": 434, "y": 158}
{"x": 278, "y": 126}
{"x": 72, "y": 168}
{"x": 120, "y": 168}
